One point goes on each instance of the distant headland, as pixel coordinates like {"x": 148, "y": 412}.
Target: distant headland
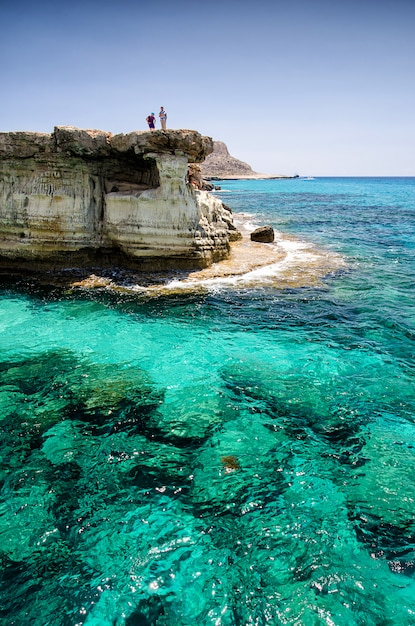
{"x": 220, "y": 165}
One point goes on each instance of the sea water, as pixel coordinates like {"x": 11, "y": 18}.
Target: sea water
{"x": 238, "y": 456}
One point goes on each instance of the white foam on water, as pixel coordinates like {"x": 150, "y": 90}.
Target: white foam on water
{"x": 291, "y": 245}
{"x": 287, "y": 262}
{"x": 249, "y": 226}
{"x": 299, "y": 260}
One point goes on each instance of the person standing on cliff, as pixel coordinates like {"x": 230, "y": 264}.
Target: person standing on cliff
{"x": 151, "y": 121}
{"x": 163, "y": 118}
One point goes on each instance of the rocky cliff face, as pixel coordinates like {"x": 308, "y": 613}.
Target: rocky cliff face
{"x": 88, "y": 197}
{"x": 220, "y": 164}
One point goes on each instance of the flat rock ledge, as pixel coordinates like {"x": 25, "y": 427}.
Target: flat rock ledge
{"x": 100, "y": 143}
{"x": 79, "y": 197}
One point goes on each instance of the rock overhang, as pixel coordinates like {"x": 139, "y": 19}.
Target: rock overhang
{"x": 68, "y": 196}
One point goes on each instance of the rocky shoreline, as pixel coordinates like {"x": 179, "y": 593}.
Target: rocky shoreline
{"x": 83, "y": 209}
{"x": 285, "y": 263}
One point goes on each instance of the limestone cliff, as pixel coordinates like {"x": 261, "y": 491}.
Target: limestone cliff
{"x": 87, "y": 197}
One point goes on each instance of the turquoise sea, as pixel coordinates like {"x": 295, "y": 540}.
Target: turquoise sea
{"x": 228, "y": 457}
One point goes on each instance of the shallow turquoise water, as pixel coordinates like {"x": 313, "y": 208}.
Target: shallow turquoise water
{"x": 232, "y": 458}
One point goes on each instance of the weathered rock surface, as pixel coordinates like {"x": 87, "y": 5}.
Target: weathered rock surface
{"x": 194, "y": 175}
{"x": 89, "y": 197}
{"x": 220, "y": 164}
{"x": 263, "y": 234}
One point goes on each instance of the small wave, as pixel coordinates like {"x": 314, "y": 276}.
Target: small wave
{"x": 250, "y": 226}
{"x": 293, "y": 244}
{"x": 291, "y": 264}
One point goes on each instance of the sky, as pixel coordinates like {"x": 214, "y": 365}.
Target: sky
{"x": 307, "y": 87}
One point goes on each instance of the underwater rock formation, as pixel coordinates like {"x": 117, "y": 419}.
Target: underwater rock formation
{"x": 89, "y": 198}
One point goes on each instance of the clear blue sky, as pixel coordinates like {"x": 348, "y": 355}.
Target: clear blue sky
{"x": 314, "y": 87}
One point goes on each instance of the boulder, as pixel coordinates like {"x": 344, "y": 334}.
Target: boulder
{"x": 264, "y": 234}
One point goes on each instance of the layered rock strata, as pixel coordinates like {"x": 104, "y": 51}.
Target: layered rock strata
{"x": 87, "y": 197}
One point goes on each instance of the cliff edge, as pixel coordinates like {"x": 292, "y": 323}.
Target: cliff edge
{"x": 80, "y": 197}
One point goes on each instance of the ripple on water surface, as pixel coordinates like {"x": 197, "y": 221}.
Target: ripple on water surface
{"x": 136, "y": 491}
{"x": 227, "y": 456}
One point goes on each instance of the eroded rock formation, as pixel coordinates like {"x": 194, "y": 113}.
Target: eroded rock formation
{"x": 87, "y": 197}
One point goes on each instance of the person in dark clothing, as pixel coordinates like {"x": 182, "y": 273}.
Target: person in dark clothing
{"x": 151, "y": 121}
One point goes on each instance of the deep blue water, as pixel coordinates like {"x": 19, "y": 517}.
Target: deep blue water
{"x": 237, "y": 457}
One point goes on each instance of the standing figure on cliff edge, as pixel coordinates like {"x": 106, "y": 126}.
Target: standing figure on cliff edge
{"x": 163, "y": 118}
{"x": 151, "y": 121}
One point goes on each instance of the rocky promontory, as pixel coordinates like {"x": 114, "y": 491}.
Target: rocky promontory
{"x": 79, "y": 197}
{"x": 220, "y": 164}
